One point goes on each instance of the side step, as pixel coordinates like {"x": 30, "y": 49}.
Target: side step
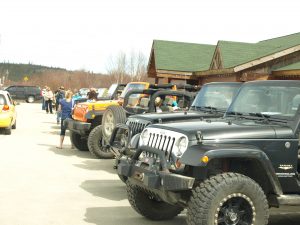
{"x": 292, "y": 200}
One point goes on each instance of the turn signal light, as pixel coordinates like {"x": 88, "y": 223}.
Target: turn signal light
{"x": 5, "y": 108}
{"x": 205, "y": 159}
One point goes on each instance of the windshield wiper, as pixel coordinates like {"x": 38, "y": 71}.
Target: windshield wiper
{"x": 267, "y": 118}
{"x": 210, "y": 107}
{"x": 234, "y": 113}
{"x": 260, "y": 115}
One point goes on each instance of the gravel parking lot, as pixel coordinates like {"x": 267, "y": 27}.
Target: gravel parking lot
{"x": 42, "y": 185}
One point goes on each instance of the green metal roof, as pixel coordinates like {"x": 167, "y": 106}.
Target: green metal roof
{"x": 294, "y": 66}
{"x": 237, "y": 53}
{"x": 180, "y": 56}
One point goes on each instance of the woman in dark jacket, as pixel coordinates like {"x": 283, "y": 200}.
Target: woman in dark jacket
{"x": 65, "y": 107}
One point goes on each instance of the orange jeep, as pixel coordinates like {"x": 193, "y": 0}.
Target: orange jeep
{"x": 87, "y": 115}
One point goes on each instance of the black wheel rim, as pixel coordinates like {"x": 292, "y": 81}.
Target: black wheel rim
{"x": 236, "y": 209}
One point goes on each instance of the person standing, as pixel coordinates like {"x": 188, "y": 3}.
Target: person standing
{"x": 43, "y": 97}
{"x": 65, "y": 107}
{"x": 60, "y": 94}
{"x": 48, "y": 100}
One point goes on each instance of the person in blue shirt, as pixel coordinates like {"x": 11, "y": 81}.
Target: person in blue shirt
{"x": 65, "y": 108}
{"x": 59, "y": 95}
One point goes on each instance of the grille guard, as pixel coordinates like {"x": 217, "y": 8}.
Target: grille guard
{"x": 153, "y": 179}
{"x": 114, "y": 144}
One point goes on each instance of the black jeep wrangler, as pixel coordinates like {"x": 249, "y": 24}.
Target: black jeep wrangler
{"x": 224, "y": 171}
{"x": 211, "y": 102}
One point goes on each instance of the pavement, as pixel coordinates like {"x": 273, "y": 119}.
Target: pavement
{"x": 43, "y": 185}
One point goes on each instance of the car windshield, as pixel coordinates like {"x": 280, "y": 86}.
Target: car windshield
{"x": 2, "y": 100}
{"x": 132, "y": 86}
{"x": 112, "y": 90}
{"x": 266, "y": 100}
{"x": 215, "y": 96}
{"x": 84, "y": 91}
{"x": 101, "y": 92}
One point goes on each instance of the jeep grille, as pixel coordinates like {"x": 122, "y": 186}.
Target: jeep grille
{"x": 161, "y": 142}
{"x": 137, "y": 126}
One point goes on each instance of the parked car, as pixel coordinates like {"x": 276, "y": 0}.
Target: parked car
{"x": 27, "y": 93}
{"x": 224, "y": 171}
{"x": 8, "y": 115}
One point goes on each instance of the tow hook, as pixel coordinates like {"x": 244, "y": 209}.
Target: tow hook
{"x": 139, "y": 176}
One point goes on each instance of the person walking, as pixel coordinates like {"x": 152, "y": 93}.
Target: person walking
{"x": 48, "y": 100}
{"x": 65, "y": 107}
{"x": 43, "y": 97}
{"x": 60, "y": 94}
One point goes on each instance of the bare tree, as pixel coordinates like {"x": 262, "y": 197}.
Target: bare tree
{"x": 125, "y": 68}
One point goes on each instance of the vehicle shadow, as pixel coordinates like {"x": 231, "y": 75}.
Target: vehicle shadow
{"x": 126, "y": 216}
{"x": 100, "y": 164}
{"x": 67, "y": 151}
{"x": 114, "y": 190}
{"x": 287, "y": 215}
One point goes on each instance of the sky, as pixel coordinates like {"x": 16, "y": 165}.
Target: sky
{"x": 88, "y": 34}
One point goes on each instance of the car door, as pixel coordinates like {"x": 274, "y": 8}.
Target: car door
{"x": 20, "y": 92}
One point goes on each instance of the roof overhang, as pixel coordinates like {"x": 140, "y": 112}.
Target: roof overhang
{"x": 174, "y": 74}
{"x": 249, "y": 64}
{"x": 266, "y": 58}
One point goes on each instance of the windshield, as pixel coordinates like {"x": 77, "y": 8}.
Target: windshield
{"x": 2, "y": 100}
{"x": 112, "y": 90}
{"x": 101, "y": 92}
{"x": 84, "y": 91}
{"x": 267, "y": 100}
{"x": 215, "y": 96}
{"x": 132, "y": 86}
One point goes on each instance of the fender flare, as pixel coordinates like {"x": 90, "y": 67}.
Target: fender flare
{"x": 193, "y": 157}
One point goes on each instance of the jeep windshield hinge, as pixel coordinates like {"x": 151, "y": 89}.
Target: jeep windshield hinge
{"x": 199, "y": 137}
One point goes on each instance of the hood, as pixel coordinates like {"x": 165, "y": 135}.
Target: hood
{"x": 98, "y": 105}
{"x": 224, "y": 129}
{"x": 168, "y": 117}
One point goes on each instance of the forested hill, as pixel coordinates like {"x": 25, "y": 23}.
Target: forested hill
{"x": 17, "y": 72}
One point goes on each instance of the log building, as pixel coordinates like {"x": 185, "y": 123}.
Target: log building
{"x": 277, "y": 58}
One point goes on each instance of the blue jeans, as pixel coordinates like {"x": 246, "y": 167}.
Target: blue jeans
{"x": 58, "y": 116}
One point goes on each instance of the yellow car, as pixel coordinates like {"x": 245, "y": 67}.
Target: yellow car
{"x": 8, "y": 115}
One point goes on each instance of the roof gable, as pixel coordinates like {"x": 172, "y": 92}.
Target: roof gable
{"x": 180, "y": 56}
{"x": 238, "y": 53}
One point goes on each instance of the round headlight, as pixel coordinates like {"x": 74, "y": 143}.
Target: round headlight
{"x": 145, "y": 136}
{"x": 182, "y": 146}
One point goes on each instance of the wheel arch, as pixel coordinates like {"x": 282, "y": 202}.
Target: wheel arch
{"x": 253, "y": 163}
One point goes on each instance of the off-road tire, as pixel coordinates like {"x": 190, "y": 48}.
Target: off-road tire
{"x": 112, "y": 116}
{"x": 95, "y": 144}
{"x": 79, "y": 142}
{"x": 14, "y": 126}
{"x": 7, "y": 131}
{"x": 30, "y": 99}
{"x": 149, "y": 207}
{"x": 123, "y": 178}
{"x": 209, "y": 199}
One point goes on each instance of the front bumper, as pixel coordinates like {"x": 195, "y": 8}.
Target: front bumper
{"x": 79, "y": 127}
{"x": 164, "y": 183}
{"x": 5, "y": 121}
